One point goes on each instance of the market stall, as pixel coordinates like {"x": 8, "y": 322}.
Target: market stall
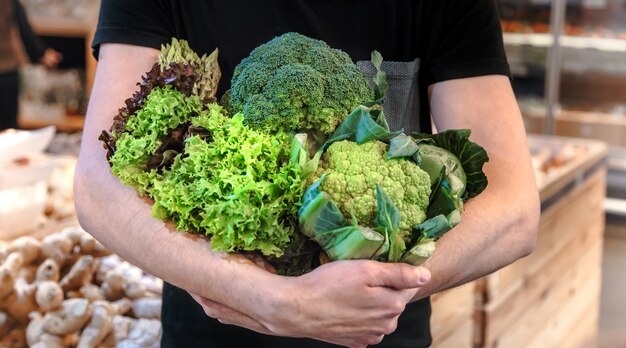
{"x": 550, "y": 298}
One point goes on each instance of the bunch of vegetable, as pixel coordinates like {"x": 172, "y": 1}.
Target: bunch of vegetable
{"x": 207, "y": 172}
{"x": 297, "y": 159}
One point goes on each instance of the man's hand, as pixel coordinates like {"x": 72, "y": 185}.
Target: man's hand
{"x": 350, "y": 303}
{"x": 51, "y": 58}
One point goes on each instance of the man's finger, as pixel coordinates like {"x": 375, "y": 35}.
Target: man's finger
{"x": 401, "y": 276}
{"x": 226, "y": 315}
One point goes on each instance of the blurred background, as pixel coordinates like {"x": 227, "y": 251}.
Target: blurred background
{"x": 568, "y": 60}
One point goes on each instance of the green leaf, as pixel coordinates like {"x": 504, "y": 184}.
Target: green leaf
{"x": 388, "y": 217}
{"x": 379, "y": 117}
{"x": 432, "y": 228}
{"x": 236, "y": 186}
{"x": 310, "y": 166}
{"x": 419, "y": 253}
{"x": 318, "y": 213}
{"x": 296, "y": 150}
{"x": 442, "y": 201}
{"x": 380, "y": 78}
{"x": 434, "y": 158}
{"x": 299, "y": 156}
{"x": 350, "y": 243}
{"x": 397, "y": 247}
{"x": 361, "y": 127}
{"x": 471, "y": 155}
{"x": 387, "y": 214}
{"x": 402, "y": 145}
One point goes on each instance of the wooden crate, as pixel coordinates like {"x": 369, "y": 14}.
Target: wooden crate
{"x": 550, "y": 299}
{"x": 452, "y": 323}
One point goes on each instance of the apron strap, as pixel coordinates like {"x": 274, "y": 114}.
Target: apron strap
{"x": 402, "y": 102}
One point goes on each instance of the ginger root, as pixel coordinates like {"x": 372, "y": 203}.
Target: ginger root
{"x": 29, "y": 247}
{"x": 90, "y": 246}
{"x": 8, "y": 273}
{"x": 48, "y": 270}
{"x": 142, "y": 333}
{"x": 21, "y": 301}
{"x": 16, "y": 338}
{"x": 134, "y": 289}
{"x": 113, "y": 286}
{"x": 56, "y": 246}
{"x": 99, "y": 327}
{"x": 73, "y": 234}
{"x": 37, "y": 337}
{"x": 147, "y": 307}
{"x": 27, "y": 272}
{"x": 49, "y": 295}
{"x": 71, "y": 317}
{"x": 80, "y": 274}
{"x": 91, "y": 292}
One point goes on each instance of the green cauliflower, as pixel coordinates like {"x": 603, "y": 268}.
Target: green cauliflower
{"x": 353, "y": 171}
{"x": 296, "y": 83}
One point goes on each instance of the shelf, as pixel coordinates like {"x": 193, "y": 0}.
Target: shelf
{"x": 577, "y": 42}
{"x": 573, "y": 171}
{"x": 66, "y": 27}
{"x": 69, "y": 123}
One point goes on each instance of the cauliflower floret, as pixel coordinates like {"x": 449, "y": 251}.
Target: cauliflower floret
{"x": 353, "y": 170}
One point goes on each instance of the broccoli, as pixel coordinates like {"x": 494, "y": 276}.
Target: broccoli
{"x": 296, "y": 83}
{"x": 353, "y": 171}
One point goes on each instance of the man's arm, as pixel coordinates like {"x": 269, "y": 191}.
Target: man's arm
{"x": 498, "y": 226}
{"x": 345, "y": 303}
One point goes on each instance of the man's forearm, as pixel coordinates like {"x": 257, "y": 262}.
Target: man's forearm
{"x": 481, "y": 244}
{"x": 121, "y": 220}
{"x": 499, "y": 225}
{"x": 179, "y": 258}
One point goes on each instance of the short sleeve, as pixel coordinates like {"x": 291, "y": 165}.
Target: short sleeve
{"x": 147, "y": 23}
{"x": 465, "y": 41}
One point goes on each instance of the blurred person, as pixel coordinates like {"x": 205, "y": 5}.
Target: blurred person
{"x": 12, "y": 18}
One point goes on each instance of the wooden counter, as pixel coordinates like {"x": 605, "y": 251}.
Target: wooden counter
{"x": 550, "y": 298}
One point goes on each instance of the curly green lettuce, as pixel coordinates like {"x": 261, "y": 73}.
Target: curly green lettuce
{"x": 164, "y": 109}
{"x": 234, "y": 183}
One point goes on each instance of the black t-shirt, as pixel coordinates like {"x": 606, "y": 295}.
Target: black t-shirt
{"x": 452, "y": 39}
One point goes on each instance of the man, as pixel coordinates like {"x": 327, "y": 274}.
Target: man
{"x": 462, "y": 81}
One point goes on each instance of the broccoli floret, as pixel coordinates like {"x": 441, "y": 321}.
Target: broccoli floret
{"x": 296, "y": 83}
{"x": 353, "y": 171}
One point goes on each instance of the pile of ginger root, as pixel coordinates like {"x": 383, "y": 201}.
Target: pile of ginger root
{"x": 64, "y": 291}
